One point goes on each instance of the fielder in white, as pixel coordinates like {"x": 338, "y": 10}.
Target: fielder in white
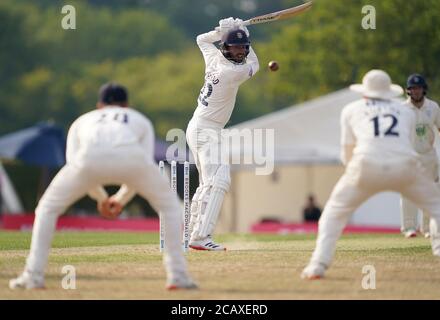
{"x": 113, "y": 145}
{"x": 377, "y": 148}
{"x": 226, "y": 70}
{"x": 427, "y": 125}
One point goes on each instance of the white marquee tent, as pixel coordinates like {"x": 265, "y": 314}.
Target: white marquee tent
{"x": 306, "y": 157}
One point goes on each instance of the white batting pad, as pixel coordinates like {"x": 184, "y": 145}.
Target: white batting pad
{"x": 208, "y": 219}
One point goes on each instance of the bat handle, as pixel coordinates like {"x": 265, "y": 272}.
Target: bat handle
{"x": 247, "y": 23}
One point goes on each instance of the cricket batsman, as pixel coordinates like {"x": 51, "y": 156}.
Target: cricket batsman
{"x": 226, "y": 69}
{"x": 427, "y": 125}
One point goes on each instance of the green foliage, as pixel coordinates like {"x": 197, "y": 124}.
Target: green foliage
{"x": 164, "y": 88}
{"x": 43, "y": 62}
{"x": 197, "y": 16}
{"x": 54, "y": 73}
{"x": 327, "y": 49}
{"x": 106, "y": 34}
{"x": 149, "y": 46}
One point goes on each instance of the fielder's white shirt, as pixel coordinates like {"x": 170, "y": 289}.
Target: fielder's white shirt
{"x": 378, "y": 128}
{"x": 222, "y": 80}
{"x": 427, "y": 124}
{"x": 107, "y": 129}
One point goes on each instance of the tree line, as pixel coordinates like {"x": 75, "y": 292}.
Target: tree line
{"x": 149, "y": 46}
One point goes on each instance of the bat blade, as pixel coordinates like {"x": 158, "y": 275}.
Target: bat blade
{"x": 279, "y": 15}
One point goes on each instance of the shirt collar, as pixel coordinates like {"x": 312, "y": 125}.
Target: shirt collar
{"x": 425, "y": 101}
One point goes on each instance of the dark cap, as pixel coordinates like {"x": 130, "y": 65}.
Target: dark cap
{"x": 236, "y": 37}
{"x": 416, "y": 80}
{"x": 111, "y": 93}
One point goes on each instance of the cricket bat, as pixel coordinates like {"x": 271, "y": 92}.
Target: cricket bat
{"x": 279, "y": 15}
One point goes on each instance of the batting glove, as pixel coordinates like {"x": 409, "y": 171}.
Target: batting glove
{"x": 225, "y": 25}
{"x": 239, "y": 24}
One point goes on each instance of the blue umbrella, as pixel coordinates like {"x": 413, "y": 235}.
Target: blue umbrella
{"x": 43, "y": 144}
{"x": 160, "y": 150}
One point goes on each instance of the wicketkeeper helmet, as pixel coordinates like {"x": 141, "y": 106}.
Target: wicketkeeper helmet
{"x": 415, "y": 80}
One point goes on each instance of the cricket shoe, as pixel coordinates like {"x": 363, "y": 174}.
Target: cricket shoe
{"x": 427, "y": 235}
{"x": 27, "y": 280}
{"x": 181, "y": 282}
{"x": 206, "y": 244}
{"x": 410, "y": 233}
{"x": 313, "y": 271}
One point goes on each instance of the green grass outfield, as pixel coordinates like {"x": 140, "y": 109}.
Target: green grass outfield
{"x": 112, "y": 265}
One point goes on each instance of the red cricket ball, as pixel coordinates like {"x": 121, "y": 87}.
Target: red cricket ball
{"x": 273, "y": 66}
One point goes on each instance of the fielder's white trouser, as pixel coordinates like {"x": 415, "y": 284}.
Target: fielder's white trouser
{"x": 409, "y": 211}
{"x": 204, "y": 141}
{"x": 362, "y": 179}
{"x": 124, "y": 165}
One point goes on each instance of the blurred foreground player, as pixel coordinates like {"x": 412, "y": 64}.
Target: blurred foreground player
{"x": 113, "y": 145}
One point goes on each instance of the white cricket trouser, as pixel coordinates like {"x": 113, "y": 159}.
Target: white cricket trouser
{"x": 362, "y": 179}
{"x": 113, "y": 167}
{"x": 204, "y": 141}
{"x": 409, "y": 211}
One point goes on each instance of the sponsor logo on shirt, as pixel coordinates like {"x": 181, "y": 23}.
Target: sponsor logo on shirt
{"x": 421, "y": 130}
{"x": 212, "y": 77}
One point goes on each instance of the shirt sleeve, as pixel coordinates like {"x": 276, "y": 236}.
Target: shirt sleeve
{"x": 437, "y": 115}
{"x": 413, "y": 132}
{"x": 148, "y": 139}
{"x": 72, "y": 144}
{"x": 347, "y": 136}
{"x": 252, "y": 60}
{"x": 124, "y": 194}
{"x": 206, "y": 44}
{"x": 98, "y": 193}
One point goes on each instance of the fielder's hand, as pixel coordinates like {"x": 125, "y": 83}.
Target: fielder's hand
{"x": 225, "y": 25}
{"x": 110, "y": 209}
{"x": 239, "y": 24}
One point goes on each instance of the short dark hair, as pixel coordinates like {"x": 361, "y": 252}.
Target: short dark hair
{"x": 111, "y": 93}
